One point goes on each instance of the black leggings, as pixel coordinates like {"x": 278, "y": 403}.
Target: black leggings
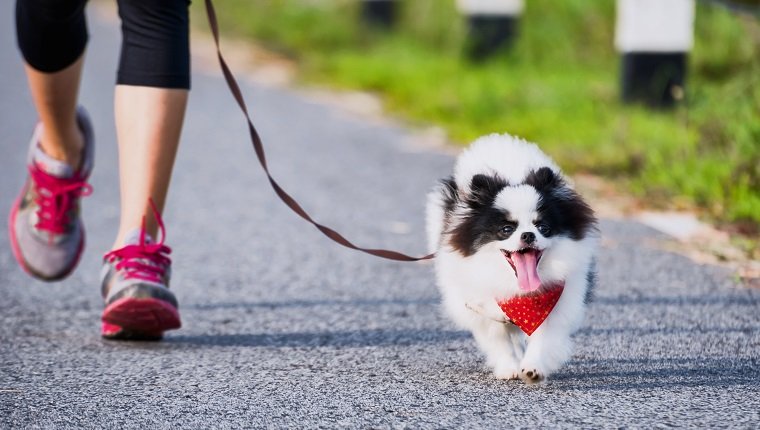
{"x": 155, "y": 47}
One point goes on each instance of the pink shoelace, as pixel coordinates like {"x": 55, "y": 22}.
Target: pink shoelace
{"x": 144, "y": 261}
{"x": 55, "y": 198}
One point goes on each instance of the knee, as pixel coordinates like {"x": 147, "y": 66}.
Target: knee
{"x": 155, "y": 43}
{"x": 153, "y": 16}
{"x": 51, "y": 11}
{"x": 51, "y": 34}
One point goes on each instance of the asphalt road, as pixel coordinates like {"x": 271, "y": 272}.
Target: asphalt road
{"x": 284, "y": 329}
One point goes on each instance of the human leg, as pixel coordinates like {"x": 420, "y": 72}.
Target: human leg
{"x": 55, "y": 98}
{"x": 151, "y": 95}
{"x": 148, "y": 123}
{"x": 150, "y": 100}
{"x": 47, "y": 236}
{"x": 52, "y": 36}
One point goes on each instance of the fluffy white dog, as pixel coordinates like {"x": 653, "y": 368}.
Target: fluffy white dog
{"x": 510, "y": 233}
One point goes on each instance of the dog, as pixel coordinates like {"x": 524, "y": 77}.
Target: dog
{"x": 508, "y": 225}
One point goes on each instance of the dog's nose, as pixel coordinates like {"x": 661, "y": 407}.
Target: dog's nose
{"x": 528, "y": 237}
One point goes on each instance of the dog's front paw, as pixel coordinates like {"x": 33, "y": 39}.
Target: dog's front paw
{"x": 532, "y": 376}
{"x": 506, "y": 372}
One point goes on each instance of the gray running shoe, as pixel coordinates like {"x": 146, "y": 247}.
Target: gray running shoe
{"x": 46, "y": 231}
{"x": 135, "y": 287}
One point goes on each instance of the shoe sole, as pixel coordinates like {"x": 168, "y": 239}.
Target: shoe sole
{"x": 132, "y": 318}
{"x": 16, "y": 248}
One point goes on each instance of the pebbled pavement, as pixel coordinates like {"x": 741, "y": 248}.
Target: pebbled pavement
{"x": 284, "y": 329}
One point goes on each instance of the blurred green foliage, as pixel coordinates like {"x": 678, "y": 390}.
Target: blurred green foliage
{"x": 558, "y": 86}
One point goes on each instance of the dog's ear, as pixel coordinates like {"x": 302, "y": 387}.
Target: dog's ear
{"x": 544, "y": 179}
{"x": 449, "y": 194}
{"x": 483, "y": 189}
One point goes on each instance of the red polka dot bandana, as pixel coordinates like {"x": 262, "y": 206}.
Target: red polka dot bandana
{"x": 529, "y": 311}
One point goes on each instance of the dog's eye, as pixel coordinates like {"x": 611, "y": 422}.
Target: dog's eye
{"x": 543, "y": 228}
{"x": 508, "y": 229}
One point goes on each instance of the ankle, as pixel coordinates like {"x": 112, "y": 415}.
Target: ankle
{"x": 127, "y": 236}
{"x": 66, "y": 146}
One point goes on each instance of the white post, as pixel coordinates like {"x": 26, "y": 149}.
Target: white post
{"x": 492, "y": 24}
{"x": 654, "y": 38}
{"x": 380, "y": 13}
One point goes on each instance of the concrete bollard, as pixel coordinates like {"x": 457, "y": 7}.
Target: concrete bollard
{"x": 492, "y": 25}
{"x": 654, "y": 38}
{"x": 379, "y": 13}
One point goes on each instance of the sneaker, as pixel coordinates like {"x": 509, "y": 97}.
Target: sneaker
{"x": 135, "y": 287}
{"x": 45, "y": 228}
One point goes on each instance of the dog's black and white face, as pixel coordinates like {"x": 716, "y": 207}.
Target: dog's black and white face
{"x": 520, "y": 220}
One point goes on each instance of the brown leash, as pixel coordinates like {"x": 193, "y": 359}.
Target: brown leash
{"x": 258, "y": 147}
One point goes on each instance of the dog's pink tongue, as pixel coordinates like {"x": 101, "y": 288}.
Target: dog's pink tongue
{"x": 526, "y": 265}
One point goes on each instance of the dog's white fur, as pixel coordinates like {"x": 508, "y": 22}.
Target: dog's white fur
{"x": 470, "y": 285}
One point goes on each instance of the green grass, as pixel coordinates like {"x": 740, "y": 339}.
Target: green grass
{"x": 558, "y": 87}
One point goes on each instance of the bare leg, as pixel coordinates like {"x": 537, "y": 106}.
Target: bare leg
{"x": 55, "y": 98}
{"x": 148, "y": 126}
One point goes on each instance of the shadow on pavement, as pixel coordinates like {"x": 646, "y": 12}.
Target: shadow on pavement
{"x": 652, "y": 374}
{"x": 312, "y": 303}
{"x": 644, "y": 331}
{"x": 353, "y": 338}
{"x": 708, "y": 300}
